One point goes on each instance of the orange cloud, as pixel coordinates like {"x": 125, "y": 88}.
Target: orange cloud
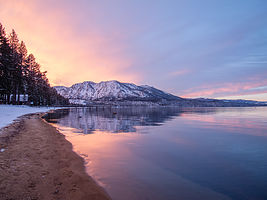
{"x": 68, "y": 56}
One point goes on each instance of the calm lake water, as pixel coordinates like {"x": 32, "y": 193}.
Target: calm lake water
{"x": 139, "y": 153}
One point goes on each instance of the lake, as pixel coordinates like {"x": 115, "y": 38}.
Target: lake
{"x": 170, "y": 153}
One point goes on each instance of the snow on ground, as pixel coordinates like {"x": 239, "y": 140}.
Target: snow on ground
{"x": 8, "y": 113}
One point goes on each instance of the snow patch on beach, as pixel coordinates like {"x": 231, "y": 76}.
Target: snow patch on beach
{"x": 8, "y": 113}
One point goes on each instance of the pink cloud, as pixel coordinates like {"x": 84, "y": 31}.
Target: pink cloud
{"x": 226, "y": 89}
{"x": 179, "y": 72}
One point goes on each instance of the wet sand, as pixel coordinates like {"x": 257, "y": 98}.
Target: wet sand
{"x": 37, "y": 162}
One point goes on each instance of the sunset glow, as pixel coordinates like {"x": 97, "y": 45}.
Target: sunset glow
{"x": 214, "y": 50}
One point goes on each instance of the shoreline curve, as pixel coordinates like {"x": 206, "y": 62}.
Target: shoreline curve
{"x": 37, "y": 162}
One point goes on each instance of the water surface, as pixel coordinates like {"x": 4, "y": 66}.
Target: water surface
{"x": 146, "y": 153}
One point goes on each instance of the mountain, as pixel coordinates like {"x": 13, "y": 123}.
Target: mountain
{"x": 235, "y": 101}
{"x": 83, "y": 93}
{"x": 117, "y": 93}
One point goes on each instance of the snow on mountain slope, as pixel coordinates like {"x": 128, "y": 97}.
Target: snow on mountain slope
{"x": 112, "y": 90}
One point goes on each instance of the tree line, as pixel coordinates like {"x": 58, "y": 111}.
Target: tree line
{"x": 21, "y": 80}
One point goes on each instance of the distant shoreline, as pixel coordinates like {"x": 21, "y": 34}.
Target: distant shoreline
{"x": 37, "y": 162}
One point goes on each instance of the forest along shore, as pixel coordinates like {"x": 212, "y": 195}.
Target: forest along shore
{"x": 37, "y": 162}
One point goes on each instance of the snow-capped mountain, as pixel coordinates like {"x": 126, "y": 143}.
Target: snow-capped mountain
{"x": 112, "y": 90}
{"x": 117, "y": 93}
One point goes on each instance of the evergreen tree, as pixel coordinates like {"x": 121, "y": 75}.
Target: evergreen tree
{"x": 5, "y": 67}
{"x": 31, "y": 78}
{"x": 22, "y": 50}
{"x": 21, "y": 74}
{"x": 16, "y": 68}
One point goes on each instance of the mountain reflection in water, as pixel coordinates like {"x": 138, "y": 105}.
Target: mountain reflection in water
{"x": 116, "y": 120}
{"x": 186, "y": 153}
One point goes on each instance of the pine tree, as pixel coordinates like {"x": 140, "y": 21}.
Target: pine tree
{"x": 22, "y": 50}
{"x": 21, "y": 74}
{"x": 2, "y": 66}
{"x": 5, "y": 66}
{"x": 31, "y": 77}
{"x": 16, "y": 68}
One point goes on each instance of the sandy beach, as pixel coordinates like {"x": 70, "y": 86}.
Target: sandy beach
{"x": 37, "y": 162}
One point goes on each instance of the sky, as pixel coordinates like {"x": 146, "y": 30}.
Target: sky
{"x": 208, "y": 48}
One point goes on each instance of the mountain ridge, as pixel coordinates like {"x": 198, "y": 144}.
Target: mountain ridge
{"x": 114, "y": 92}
